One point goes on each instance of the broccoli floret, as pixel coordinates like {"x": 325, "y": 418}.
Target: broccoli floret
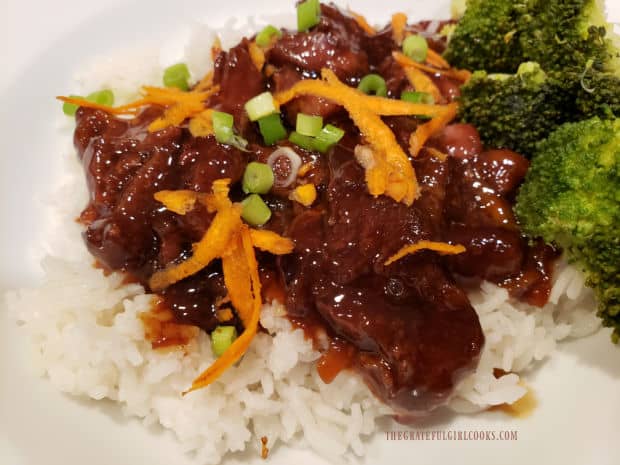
{"x": 566, "y": 35}
{"x": 515, "y": 111}
{"x": 561, "y": 35}
{"x": 571, "y": 197}
{"x": 598, "y": 95}
{"x": 484, "y": 38}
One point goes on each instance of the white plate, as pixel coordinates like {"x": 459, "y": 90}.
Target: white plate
{"x": 578, "y": 417}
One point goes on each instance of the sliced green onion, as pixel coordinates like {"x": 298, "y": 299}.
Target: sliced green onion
{"x": 102, "y": 97}
{"x": 222, "y": 126}
{"x": 177, "y": 76}
{"x": 417, "y": 97}
{"x": 221, "y": 339}
{"x": 254, "y": 210}
{"x": 305, "y": 142}
{"x": 264, "y": 37}
{"x": 308, "y": 125}
{"x": 308, "y": 14}
{"x": 329, "y": 136}
{"x": 271, "y": 128}
{"x": 259, "y": 106}
{"x": 238, "y": 142}
{"x": 257, "y": 178}
{"x": 69, "y": 109}
{"x": 415, "y": 47}
{"x": 373, "y": 84}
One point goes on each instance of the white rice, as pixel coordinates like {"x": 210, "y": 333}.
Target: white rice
{"x": 88, "y": 340}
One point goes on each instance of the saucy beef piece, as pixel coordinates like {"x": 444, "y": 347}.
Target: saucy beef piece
{"x": 395, "y": 79}
{"x": 388, "y": 313}
{"x": 478, "y": 215}
{"x": 334, "y": 43}
{"x": 126, "y": 228}
{"x": 239, "y": 81}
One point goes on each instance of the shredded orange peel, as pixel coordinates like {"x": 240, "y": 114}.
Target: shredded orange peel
{"x": 437, "y": 154}
{"x": 441, "y": 247}
{"x": 422, "y": 83}
{"x": 399, "y": 21}
{"x": 257, "y": 55}
{"x": 435, "y": 59}
{"x": 201, "y": 125}
{"x": 304, "y": 194}
{"x": 233, "y": 241}
{"x": 461, "y": 75}
{"x": 179, "y": 105}
{"x": 389, "y": 170}
{"x": 425, "y": 131}
{"x": 363, "y": 23}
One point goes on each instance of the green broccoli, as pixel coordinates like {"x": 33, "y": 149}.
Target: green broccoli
{"x": 561, "y": 35}
{"x": 571, "y": 197}
{"x": 484, "y": 38}
{"x": 598, "y": 94}
{"x": 572, "y": 41}
{"x": 515, "y": 111}
{"x": 573, "y": 45}
{"x": 566, "y": 35}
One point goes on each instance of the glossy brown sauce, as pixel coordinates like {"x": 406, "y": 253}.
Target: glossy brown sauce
{"x": 408, "y": 329}
{"x": 339, "y": 356}
{"x": 522, "y": 408}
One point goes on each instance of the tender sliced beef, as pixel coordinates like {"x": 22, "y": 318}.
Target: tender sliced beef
{"x": 239, "y": 81}
{"x": 126, "y": 228}
{"x": 394, "y": 75}
{"x": 334, "y": 43}
{"x": 339, "y": 271}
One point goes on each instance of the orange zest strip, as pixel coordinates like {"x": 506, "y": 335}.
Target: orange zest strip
{"x": 457, "y": 74}
{"x": 257, "y": 55}
{"x": 361, "y": 22}
{"x": 343, "y": 94}
{"x": 271, "y": 242}
{"x": 435, "y": 59}
{"x": 243, "y": 248}
{"x": 179, "y": 202}
{"x": 183, "y": 201}
{"x": 224, "y": 314}
{"x": 183, "y": 105}
{"x": 201, "y": 125}
{"x": 216, "y": 48}
{"x": 441, "y": 247}
{"x": 422, "y": 83}
{"x": 399, "y": 21}
{"x": 236, "y": 277}
{"x": 123, "y": 110}
{"x": 205, "y": 83}
{"x": 400, "y": 181}
{"x": 390, "y": 172}
{"x": 427, "y": 130}
{"x": 232, "y": 241}
{"x": 212, "y": 245}
{"x": 375, "y": 167}
{"x": 305, "y": 169}
{"x": 437, "y": 153}
{"x": 304, "y": 194}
